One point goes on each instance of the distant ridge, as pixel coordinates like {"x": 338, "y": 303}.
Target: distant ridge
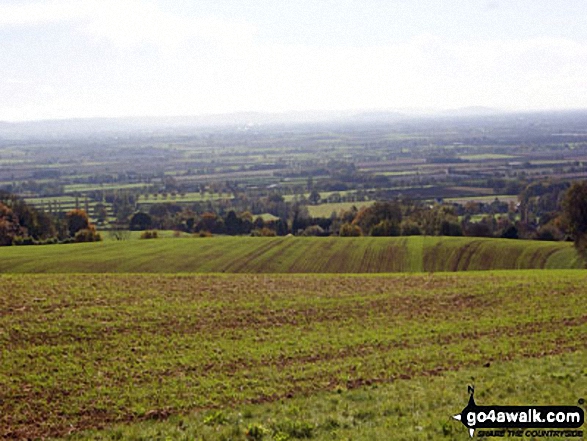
{"x": 102, "y": 125}
{"x": 114, "y": 126}
{"x": 471, "y": 111}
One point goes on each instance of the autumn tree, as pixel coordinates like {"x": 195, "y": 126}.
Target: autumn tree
{"x": 210, "y": 222}
{"x": 575, "y": 211}
{"x": 33, "y": 223}
{"x": 9, "y": 226}
{"x": 77, "y": 220}
{"x": 350, "y": 230}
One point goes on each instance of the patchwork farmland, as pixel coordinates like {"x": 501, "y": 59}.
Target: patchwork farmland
{"x": 286, "y": 338}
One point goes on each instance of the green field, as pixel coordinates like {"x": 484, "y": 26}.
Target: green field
{"x": 87, "y": 351}
{"x": 397, "y": 173}
{"x": 290, "y": 255}
{"x": 325, "y": 210}
{"x": 107, "y": 235}
{"x": 188, "y": 198}
{"x": 323, "y": 195}
{"x": 486, "y": 157}
{"x": 484, "y": 199}
{"x": 81, "y": 188}
{"x": 412, "y": 409}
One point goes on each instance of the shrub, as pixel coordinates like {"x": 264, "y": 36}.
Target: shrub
{"x": 263, "y": 232}
{"x": 313, "y": 230}
{"x": 548, "y": 232}
{"x": 19, "y": 240}
{"x": 350, "y": 230}
{"x": 49, "y": 241}
{"x": 203, "y": 233}
{"x": 87, "y": 235}
{"x": 149, "y": 234}
{"x": 77, "y": 220}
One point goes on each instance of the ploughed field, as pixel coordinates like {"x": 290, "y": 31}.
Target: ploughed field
{"x": 84, "y": 351}
{"x": 291, "y": 255}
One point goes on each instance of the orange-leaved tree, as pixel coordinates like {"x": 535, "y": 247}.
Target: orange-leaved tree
{"x": 80, "y": 228}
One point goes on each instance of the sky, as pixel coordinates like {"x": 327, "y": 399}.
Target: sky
{"x": 111, "y": 58}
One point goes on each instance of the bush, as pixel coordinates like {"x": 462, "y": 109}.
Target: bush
{"x": 149, "y": 234}
{"x": 19, "y": 240}
{"x": 203, "y": 233}
{"x": 49, "y": 241}
{"x": 77, "y": 220}
{"x": 548, "y": 232}
{"x": 87, "y": 235}
{"x": 313, "y": 230}
{"x": 263, "y": 232}
{"x": 350, "y": 230}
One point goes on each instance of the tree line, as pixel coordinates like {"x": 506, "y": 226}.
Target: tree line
{"x": 546, "y": 211}
{"x": 22, "y": 224}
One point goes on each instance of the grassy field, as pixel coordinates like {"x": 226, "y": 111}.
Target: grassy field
{"x": 107, "y": 235}
{"x": 81, "y": 188}
{"x": 484, "y": 199}
{"x": 325, "y": 210}
{"x": 181, "y": 199}
{"x": 397, "y": 173}
{"x": 486, "y": 157}
{"x": 290, "y": 255}
{"x": 86, "y": 351}
{"x": 412, "y": 409}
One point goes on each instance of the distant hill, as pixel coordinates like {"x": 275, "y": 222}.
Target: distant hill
{"x": 155, "y": 125}
{"x": 149, "y": 124}
{"x": 290, "y": 255}
{"x": 375, "y": 116}
{"x": 471, "y": 111}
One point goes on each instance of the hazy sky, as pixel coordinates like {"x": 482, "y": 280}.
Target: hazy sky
{"x": 87, "y": 58}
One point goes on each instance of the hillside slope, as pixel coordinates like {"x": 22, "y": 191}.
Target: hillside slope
{"x": 291, "y": 255}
